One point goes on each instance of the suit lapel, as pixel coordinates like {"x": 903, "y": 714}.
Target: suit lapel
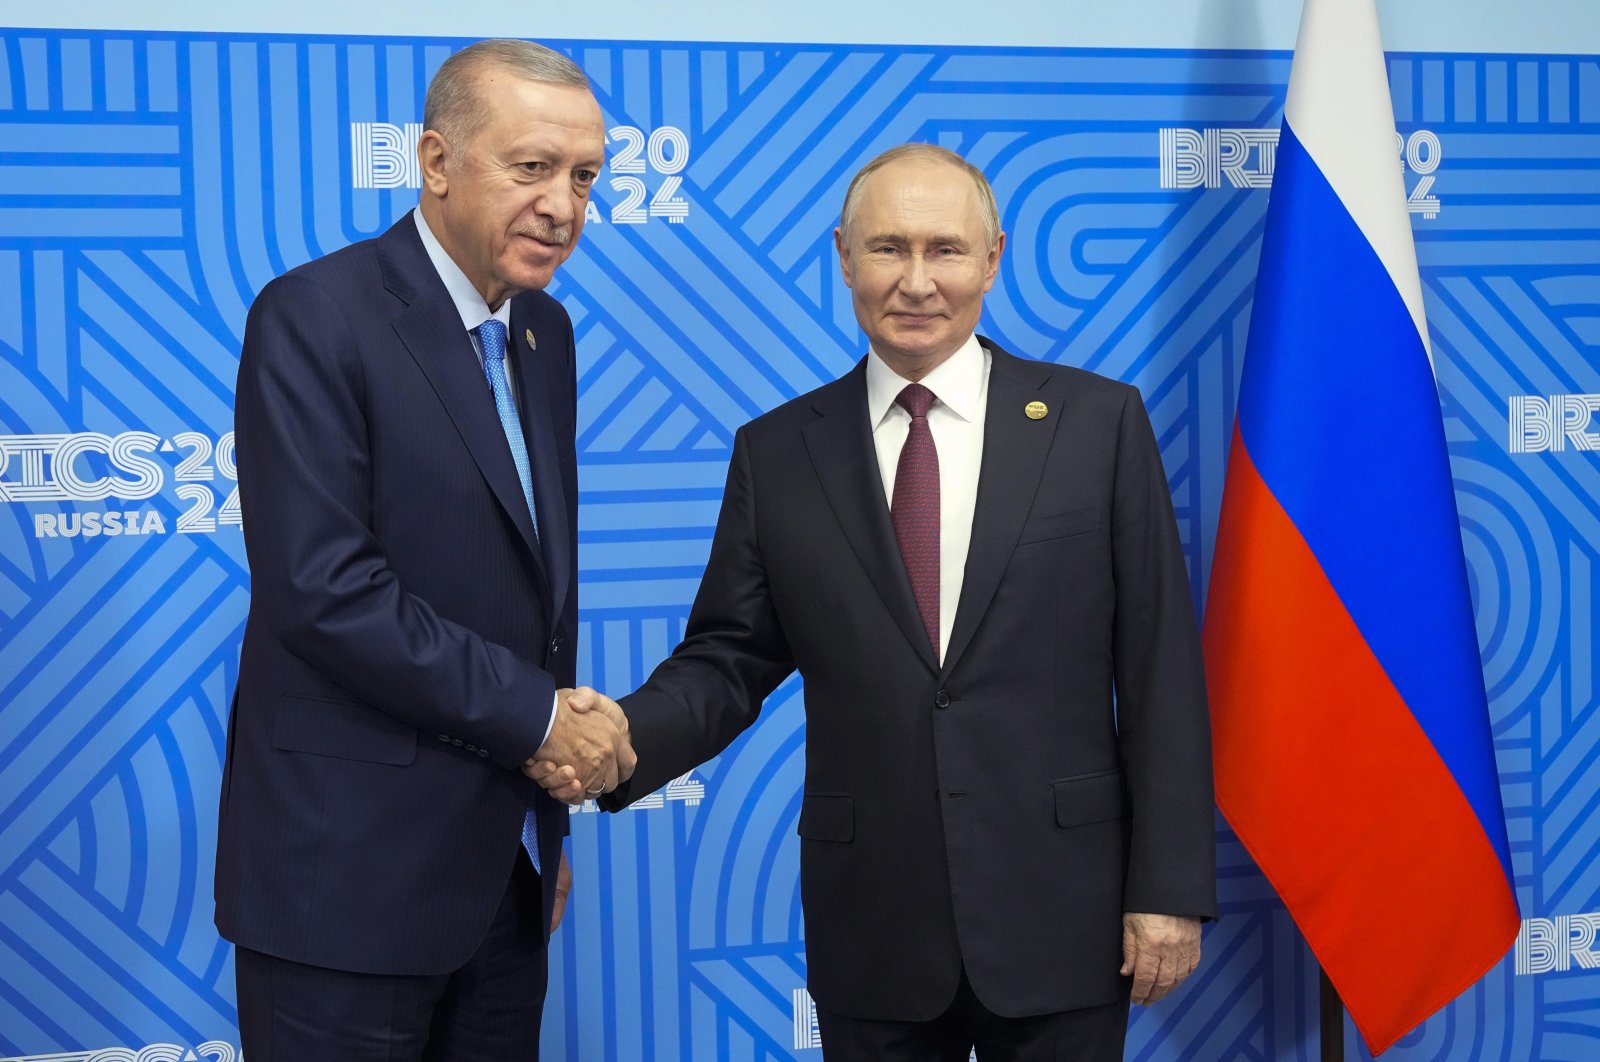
{"x": 840, "y": 444}
{"x": 1014, "y": 451}
{"x": 537, "y": 384}
{"x": 430, "y": 329}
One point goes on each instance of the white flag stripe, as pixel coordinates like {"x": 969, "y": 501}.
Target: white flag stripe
{"x": 1339, "y": 108}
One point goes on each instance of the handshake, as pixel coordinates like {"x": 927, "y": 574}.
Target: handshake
{"x": 587, "y": 751}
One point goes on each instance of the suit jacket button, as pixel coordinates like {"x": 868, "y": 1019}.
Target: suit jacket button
{"x": 483, "y": 752}
{"x": 555, "y": 645}
{"x": 470, "y": 748}
{"x": 444, "y": 737}
{"x": 456, "y": 742}
{"x": 941, "y": 699}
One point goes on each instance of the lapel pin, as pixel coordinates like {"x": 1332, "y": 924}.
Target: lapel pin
{"x": 527, "y": 333}
{"x": 1036, "y": 410}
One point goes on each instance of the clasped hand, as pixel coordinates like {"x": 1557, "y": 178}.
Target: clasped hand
{"x": 587, "y": 752}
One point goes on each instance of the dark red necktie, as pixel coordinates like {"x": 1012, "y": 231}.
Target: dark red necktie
{"x": 915, "y": 509}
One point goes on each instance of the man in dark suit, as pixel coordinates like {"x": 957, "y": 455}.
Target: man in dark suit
{"x": 972, "y": 560}
{"x": 407, "y": 473}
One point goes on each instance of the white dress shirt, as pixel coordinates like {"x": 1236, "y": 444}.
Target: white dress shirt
{"x": 474, "y": 311}
{"x": 469, "y": 303}
{"x": 961, "y": 387}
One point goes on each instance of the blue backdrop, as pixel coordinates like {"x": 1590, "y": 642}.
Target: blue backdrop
{"x": 152, "y": 182}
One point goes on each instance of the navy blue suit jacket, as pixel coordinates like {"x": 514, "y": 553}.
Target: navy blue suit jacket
{"x": 407, "y": 628}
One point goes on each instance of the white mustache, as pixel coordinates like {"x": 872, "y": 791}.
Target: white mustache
{"x": 561, "y": 234}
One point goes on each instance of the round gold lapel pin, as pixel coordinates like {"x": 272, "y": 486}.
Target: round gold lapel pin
{"x": 1036, "y": 410}
{"x": 527, "y": 333}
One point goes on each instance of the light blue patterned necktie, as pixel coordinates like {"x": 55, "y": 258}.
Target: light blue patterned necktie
{"x": 492, "y": 339}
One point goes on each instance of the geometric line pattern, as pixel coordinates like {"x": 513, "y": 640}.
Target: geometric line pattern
{"x": 150, "y": 184}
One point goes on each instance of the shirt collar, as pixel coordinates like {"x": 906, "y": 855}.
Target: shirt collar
{"x": 469, "y": 304}
{"x": 957, "y": 382}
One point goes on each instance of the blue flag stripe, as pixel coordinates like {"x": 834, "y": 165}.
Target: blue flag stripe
{"x": 1340, "y": 413}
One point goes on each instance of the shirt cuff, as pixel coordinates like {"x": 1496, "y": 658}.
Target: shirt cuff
{"x": 555, "y": 706}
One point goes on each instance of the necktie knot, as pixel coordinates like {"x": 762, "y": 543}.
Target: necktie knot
{"x": 492, "y": 337}
{"x": 916, "y": 400}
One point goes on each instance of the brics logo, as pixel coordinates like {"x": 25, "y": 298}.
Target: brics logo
{"x": 1247, "y": 158}
{"x": 685, "y": 789}
{"x": 1540, "y": 424}
{"x": 805, "y": 1022}
{"x": 210, "y": 1051}
{"x": 131, "y": 467}
{"x": 806, "y": 1035}
{"x": 1549, "y": 945}
{"x": 1201, "y": 158}
{"x": 645, "y": 168}
{"x": 384, "y": 155}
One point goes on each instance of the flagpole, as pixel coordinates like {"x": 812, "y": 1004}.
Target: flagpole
{"x": 1332, "y": 1021}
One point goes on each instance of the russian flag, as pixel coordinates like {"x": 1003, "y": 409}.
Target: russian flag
{"x": 1352, "y": 741}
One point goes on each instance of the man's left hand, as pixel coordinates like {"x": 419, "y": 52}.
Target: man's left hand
{"x": 1159, "y": 951}
{"x": 563, "y": 887}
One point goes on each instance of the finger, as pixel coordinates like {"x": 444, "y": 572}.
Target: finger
{"x": 608, "y": 772}
{"x": 582, "y": 699}
{"x": 557, "y": 910}
{"x": 1166, "y": 980}
{"x": 552, "y": 779}
{"x": 1144, "y": 977}
{"x": 614, "y": 712}
{"x": 567, "y": 787}
{"x": 1129, "y": 950}
{"x": 593, "y": 777}
{"x": 548, "y": 771}
{"x": 593, "y": 760}
{"x": 627, "y": 761}
{"x": 568, "y": 792}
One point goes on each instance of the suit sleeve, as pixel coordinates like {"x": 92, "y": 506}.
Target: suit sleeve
{"x": 319, "y": 577}
{"x": 1163, "y": 726}
{"x": 733, "y": 655}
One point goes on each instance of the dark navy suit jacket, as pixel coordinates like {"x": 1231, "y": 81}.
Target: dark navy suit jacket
{"x": 1000, "y": 809}
{"x": 406, "y": 634}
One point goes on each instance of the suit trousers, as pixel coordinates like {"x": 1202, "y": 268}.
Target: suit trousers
{"x": 488, "y": 1010}
{"x": 1092, "y": 1034}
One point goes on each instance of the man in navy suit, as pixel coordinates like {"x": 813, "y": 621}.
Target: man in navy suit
{"x": 407, "y": 472}
{"x": 971, "y": 558}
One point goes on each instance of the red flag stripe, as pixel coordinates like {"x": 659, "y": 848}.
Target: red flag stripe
{"x": 1393, "y": 834}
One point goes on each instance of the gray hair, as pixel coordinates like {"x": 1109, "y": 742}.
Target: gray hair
{"x": 852, "y": 195}
{"x": 455, "y": 109}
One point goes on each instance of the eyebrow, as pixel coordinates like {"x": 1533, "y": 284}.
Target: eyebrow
{"x": 895, "y": 237}
{"x": 549, "y": 149}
